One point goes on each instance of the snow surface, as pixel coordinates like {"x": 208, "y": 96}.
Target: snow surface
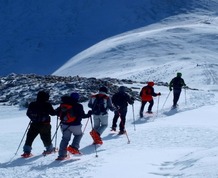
{"x": 171, "y": 144}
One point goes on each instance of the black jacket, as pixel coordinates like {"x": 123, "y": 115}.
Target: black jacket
{"x": 40, "y": 111}
{"x": 177, "y": 83}
{"x": 121, "y": 100}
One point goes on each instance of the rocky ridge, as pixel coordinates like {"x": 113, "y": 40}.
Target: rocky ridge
{"x": 21, "y": 89}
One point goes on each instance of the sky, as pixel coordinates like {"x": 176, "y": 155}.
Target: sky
{"x": 180, "y": 143}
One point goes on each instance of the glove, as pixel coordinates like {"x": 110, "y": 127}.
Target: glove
{"x": 116, "y": 112}
{"x": 90, "y": 113}
{"x": 170, "y": 89}
{"x": 116, "y": 108}
{"x": 113, "y": 109}
{"x": 159, "y": 94}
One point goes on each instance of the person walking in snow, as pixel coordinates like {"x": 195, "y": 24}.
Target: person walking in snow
{"x": 146, "y": 94}
{"x": 121, "y": 100}
{"x": 176, "y": 85}
{"x": 70, "y": 113}
{"x": 39, "y": 113}
{"x": 100, "y": 103}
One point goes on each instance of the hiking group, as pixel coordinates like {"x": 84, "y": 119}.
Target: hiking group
{"x": 71, "y": 112}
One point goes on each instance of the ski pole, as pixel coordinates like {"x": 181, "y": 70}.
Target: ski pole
{"x": 23, "y": 137}
{"x": 96, "y": 153}
{"x": 56, "y": 134}
{"x": 166, "y": 99}
{"x": 86, "y": 125}
{"x": 56, "y": 131}
{"x": 122, "y": 123}
{"x": 185, "y": 97}
{"x": 128, "y": 140}
{"x": 158, "y": 100}
{"x": 133, "y": 116}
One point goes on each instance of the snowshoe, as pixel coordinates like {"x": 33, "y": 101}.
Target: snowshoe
{"x": 175, "y": 106}
{"x": 27, "y": 155}
{"x": 73, "y": 151}
{"x": 122, "y": 132}
{"x": 61, "y": 158}
{"x": 96, "y": 137}
{"x": 46, "y": 152}
{"x": 141, "y": 114}
{"x": 98, "y": 142}
{"x": 113, "y": 129}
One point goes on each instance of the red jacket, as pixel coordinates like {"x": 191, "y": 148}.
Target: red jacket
{"x": 147, "y": 92}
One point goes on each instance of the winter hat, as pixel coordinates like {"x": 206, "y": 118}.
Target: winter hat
{"x": 75, "y": 96}
{"x": 103, "y": 89}
{"x": 151, "y": 84}
{"x": 122, "y": 89}
{"x": 42, "y": 96}
{"x": 179, "y": 74}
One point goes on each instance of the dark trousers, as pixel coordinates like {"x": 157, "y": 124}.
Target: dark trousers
{"x": 122, "y": 114}
{"x": 143, "y": 103}
{"x": 176, "y": 95}
{"x": 44, "y": 130}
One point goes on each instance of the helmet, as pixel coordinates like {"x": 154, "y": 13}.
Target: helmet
{"x": 75, "y": 96}
{"x": 179, "y": 74}
{"x": 122, "y": 89}
{"x": 103, "y": 89}
{"x": 42, "y": 96}
{"x": 151, "y": 84}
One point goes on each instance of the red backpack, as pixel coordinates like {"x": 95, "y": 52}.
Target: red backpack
{"x": 66, "y": 113}
{"x": 146, "y": 93}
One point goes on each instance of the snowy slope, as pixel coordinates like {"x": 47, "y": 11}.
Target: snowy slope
{"x": 155, "y": 52}
{"x": 171, "y": 144}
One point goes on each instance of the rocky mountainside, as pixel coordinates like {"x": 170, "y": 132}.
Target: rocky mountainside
{"x": 20, "y": 89}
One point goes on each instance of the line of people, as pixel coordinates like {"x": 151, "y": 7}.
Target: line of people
{"x": 71, "y": 113}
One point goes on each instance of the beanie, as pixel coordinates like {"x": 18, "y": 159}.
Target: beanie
{"x": 122, "y": 89}
{"x": 42, "y": 96}
{"x": 103, "y": 89}
{"x": 179, "y": 74}
{"x": 74, "y": 95}
{"x": 151, "y": 84}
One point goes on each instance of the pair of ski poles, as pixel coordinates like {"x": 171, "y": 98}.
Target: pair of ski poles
{"x": 57, "y": 126}
{"x": 169, "y": 95}
{"x": 28, "y": 126}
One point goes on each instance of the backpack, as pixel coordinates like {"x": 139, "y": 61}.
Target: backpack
{"x": 177, "y": 82}
{"x": 145, "y": 91}
{"x": 66, "y": 113}
{"x": 120, "y": 100}
{"x": 100, "y": 105}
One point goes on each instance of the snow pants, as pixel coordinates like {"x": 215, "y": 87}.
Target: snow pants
{"x": 122, "y": 114}
{"x": 100, "y": 123}
{"x": 143, "y": 103}
{"x": 67, "y": 131}
{"x": 44, "y": 130}
{"x": 176, "y": 95}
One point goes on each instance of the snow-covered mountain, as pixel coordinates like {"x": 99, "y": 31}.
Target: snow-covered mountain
{"x": 178, "y": 143}
{"x": 155, "y": 52}
{"x": 40, "y": 36}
